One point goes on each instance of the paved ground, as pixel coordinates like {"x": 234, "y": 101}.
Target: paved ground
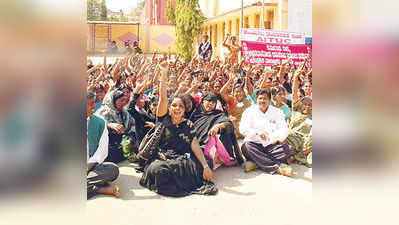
{"x": 244, "y": 198}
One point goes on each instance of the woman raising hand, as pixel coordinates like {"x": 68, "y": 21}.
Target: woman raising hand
{"x": 181, "y": 173}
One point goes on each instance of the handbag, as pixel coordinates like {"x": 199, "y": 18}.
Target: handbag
{"x": 148, "y": 148}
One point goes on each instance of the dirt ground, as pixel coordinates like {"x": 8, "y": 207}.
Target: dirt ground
{"x": 244, "y": 198}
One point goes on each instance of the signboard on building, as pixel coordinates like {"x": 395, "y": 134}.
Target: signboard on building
{"x": 268, "y": 47}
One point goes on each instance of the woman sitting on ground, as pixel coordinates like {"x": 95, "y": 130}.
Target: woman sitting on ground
{"x": 300, "y": 128}
{"x": 279, "y": 94}
{"x": 237, "y": 102}
{"x": 209, "y": 122}
{"x": 182, "y": 173}
{"x": 119, "y": 123}
{"x": 143, "y": 112}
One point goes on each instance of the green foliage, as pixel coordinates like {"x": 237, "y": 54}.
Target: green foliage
{"x": 113, "y": 18}
{"x": 103, "y": 11}
{"x": 187, "y": 18}
{"x": 96, "y": 10}
{"x": 123, "y": 18}
{"x": 170, "y": 13}
{"x": 93, "y": 10}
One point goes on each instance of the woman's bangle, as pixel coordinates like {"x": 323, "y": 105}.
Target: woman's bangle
{"x": 206, "y": 166}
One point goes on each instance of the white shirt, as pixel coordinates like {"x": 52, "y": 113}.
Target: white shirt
{"x": 102, "y": 149}
{"x": 253, "y": 120}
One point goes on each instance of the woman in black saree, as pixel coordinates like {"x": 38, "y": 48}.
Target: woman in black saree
{"x": 208, "y": 122}
{"x": 182, "y": 173}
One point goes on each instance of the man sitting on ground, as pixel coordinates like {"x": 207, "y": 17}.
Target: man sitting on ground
{"x": 98, "y": 172}
{"x": 265, "y": 130}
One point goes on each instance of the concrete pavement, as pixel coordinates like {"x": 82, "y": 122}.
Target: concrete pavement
{"x": 244, "y": 198}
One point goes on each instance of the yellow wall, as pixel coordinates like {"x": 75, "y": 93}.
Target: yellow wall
{"x": 121, "y": 29}
{"x": 101, "y": 36}
{"x": 157, "y": 30}
{"x": 234, "y": 18}
{"x": 146, "y": 33}
{"x": 271, "y": 15}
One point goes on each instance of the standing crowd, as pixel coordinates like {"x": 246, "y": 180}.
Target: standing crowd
{"x": 180, "y": 121}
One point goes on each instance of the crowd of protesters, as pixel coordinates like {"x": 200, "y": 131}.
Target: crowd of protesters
{"x": 180, "y": 121}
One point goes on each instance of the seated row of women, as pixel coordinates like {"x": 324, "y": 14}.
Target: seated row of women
{"x": 198, "y": 137}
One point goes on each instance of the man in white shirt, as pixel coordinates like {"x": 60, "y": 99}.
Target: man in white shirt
{"x": 265, "y": 129}
{"x": 99, "y": 173}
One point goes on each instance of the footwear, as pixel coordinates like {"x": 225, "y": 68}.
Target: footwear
{"x": 291, "y": 160}
{"x": 233, "y": 163}
{"x": 285, "y": 170}
{"x": 249, "y": 166}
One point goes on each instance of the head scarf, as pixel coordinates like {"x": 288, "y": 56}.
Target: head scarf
{"x": 118, "y": 95}
{"x": 211, "y": 97}
{"x": 204, "y": 121}
{"x": 112, "y": 115}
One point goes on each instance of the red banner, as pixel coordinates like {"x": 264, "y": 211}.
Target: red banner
{"x": 268, "y": 47}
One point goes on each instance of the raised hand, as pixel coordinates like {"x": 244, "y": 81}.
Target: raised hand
{"x": 164, "y": 66}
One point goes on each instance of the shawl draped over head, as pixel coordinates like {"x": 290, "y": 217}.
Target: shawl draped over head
{"x": 112, "y": 115}
{"x": 204, "y": 121}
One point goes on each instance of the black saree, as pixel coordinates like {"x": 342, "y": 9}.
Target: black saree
{"x": 181, "y": 174}
{"x": 203, "y": 123}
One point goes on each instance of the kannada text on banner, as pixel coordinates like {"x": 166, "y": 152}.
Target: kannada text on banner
{"x": 269, "y": 47}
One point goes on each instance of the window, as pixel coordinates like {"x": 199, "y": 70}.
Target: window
{"x": 246, "y": 22}
{"x": 237, "y": 27}
{"x": 269, "y": 24}
{"x": 257, "y": 21}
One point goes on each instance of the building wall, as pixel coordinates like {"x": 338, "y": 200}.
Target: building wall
{"x": 161, "y": 38}
{"x": 151, "y": 37}
{"x": 150, "y": 14}
{"x": 212, "y": 8}
{"x": 252, "y": 19}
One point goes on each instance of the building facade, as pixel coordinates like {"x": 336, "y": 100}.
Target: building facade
{"x": 154, "y": 12}
{"x": 153, "y": 31}
{"x": 226, "y": 18}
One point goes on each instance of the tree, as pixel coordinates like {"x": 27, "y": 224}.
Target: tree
{"x": 187, "y": 18}
{"x": 123, "y": 18}
{"x": 93, "y": 10}
{"x": 136, "y": 12}
{"x": 113, "y": 18}
{"x": 103, "y": 11}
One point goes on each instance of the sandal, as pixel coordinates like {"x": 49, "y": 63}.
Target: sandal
{"x": 285, "y": 170}
{"x": 249, "y": 166}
